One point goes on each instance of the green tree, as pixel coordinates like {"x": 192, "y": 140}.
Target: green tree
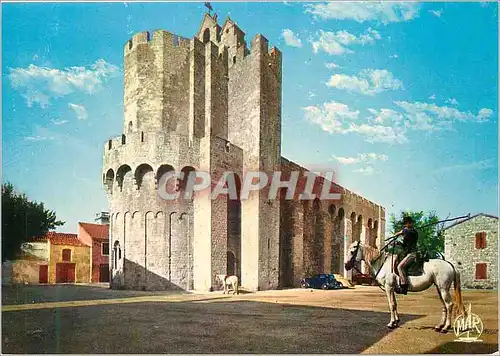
{"x": 22, "y": 219}
{"x": 430, "y": 235}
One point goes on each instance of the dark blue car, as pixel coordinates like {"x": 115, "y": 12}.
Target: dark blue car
{"x": 321, "y": 281}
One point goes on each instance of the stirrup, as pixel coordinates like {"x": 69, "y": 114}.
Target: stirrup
{"x": 401, "y": 289}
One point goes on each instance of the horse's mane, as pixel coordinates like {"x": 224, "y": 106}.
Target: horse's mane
{"x": 371, "y": 253}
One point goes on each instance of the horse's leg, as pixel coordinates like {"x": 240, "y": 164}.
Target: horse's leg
{"x": 443, "y": 318}
{"x": 446, "y": 295}
{"x": 391, "y": 299}
{"x": 396, "y": 314}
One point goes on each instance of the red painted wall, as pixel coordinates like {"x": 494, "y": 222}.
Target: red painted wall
{"x": 97, "y": 257}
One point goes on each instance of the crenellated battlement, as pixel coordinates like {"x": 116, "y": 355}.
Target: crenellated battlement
{"x": 155, "y": 39}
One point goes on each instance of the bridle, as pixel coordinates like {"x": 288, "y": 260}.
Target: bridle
{"x": 352, "y": 262}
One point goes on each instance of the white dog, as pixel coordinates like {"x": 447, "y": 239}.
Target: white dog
{"x": 228, "y": 281}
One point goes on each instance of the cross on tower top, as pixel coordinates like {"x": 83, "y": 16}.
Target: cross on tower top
{"x": 209, "y": 7}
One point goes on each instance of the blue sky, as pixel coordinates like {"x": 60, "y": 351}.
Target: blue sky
{"x": 401, "y": 98}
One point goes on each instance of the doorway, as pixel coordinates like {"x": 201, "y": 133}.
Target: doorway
{"x": 104, "y": 273}
{"x": 65, "y": 273}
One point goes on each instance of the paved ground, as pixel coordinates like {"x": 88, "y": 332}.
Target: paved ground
{"x": 93, "y": 319}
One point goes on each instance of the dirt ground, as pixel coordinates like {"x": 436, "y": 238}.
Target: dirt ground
{"x": 94, "y": 319}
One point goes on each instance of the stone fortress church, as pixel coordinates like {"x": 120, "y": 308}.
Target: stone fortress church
{"x": 212, "y": 103}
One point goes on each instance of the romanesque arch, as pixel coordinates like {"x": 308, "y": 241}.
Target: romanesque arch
{"x": 117, "y": 254}
{"x": 231, "y": 263}
{"x": 359, "y": 227}
{"x": 163, "y": 169}
{"x": 144, "y": 173}
{"x": 160, "y": 172}
{"x": 206, "y": 35}
{"x": 375, "y": 234}
{"x": 318, "y": 237}
{"x": 185, "y": 184}
{"x": 368, "y": 233}
{"x": 308, "y": 233}
{"x": 234, "y": 226}
{"x": 337, "y": 218}
{"x": 287, "y": 220}
{"x": 124, "y": 176}
{"x": 353, "y": 227}
{"x": 108, "y": 180}
{"x": 331, "y": 211}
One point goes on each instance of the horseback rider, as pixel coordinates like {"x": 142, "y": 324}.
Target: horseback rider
{"x": 409, "y": 245}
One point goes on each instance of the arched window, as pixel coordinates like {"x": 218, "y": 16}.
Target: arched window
{"x": 117, "y": 254}
{"x": 66, "y": 255}
{"x": 130, "y": 126}
{"x": 331, "y": 210}
{"x": 206, "y": 35}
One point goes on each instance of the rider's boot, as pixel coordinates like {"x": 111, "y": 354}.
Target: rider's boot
{"x": 402, "y": 289}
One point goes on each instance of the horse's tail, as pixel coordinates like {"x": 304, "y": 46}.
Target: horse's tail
{"x": 458, "y": 293}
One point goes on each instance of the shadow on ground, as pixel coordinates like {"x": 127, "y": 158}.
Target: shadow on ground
{"x": 456, "y": 347}
{"x": 28, "y": 294}
{"x": 231, "y": 327}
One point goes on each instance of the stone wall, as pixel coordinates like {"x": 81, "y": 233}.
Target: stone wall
{"x": 211, "y": 104}
{"x": 26, "y": 271}
{"x": 320, "y": 231}
{"x": 460, "y": 249}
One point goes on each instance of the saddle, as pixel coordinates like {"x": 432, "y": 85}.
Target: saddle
{"x": 416, "y": 268}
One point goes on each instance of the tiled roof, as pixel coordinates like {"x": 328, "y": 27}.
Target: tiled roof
{"x": 472, "y": 217}
{"x": 96, "y": 231}
{"x": 60, "y": 238}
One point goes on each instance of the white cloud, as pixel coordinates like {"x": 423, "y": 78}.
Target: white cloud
{"x": 368, "y": 171}
{"x": 334, "y": 117}
{"x": 386, "y": 116}
{"x": 432, "y": 97}
{"x": 452, "y": 101}
{"x": 38, "y": 138}
{"x": 362, "y": 157}
{"x": 381, "y": 11}
{"x": 484, "y": 114}
{"x": 331, "y": 116}
{"x": 393, "y": 56}
{"x": 418, "y": 110}
{"x": 332, "y": 66}
{"x": 41, "y": 84}
{"x": 387, "y": 125}
{"x": 436, "y": 13}
{"x": 380, "y": 133}
{"x": 311, "y": 95}
{"x": 59, "y": 122}
{"x": 336, "y": 43}
{"x": 478, "y": 165}
{"x": 368, "y": 81}
{"x": 291, "y": 39}
{"x": 80, "y": 111}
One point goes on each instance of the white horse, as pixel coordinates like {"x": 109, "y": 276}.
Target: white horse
{"x": 439, "y": 272}
{"x": 228, "y": 281}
